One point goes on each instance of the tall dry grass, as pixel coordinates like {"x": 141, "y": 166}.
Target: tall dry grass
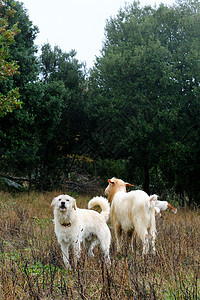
{"x": 31, "y": 265}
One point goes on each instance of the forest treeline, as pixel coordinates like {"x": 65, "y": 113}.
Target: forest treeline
{"x": 134, "y": 115}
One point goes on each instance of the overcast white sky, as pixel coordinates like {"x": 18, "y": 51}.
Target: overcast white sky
{"x": 76, "y": 24}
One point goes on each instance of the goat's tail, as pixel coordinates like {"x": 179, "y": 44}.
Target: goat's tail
{"x": 103, "y": 203}
{"x": 153, "y": 198}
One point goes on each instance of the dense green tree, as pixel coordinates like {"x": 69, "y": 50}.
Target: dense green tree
{"x": 8, "y": 68}
{"x": 24, "y": 50}
{"x": 61, "y": 110}
{"x": 139, "y": 116}
{"x": 35, "y": 140}
{"x": 143, "y": 93}
{"x": 19, "y": 142}
{"x": 181, "y": 162}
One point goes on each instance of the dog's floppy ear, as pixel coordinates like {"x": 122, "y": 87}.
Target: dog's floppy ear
{"x": 54, "y": 201}
{"x": 74, "y": 205}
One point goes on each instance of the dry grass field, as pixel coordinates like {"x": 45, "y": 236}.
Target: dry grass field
{"x": 31, "y": 265}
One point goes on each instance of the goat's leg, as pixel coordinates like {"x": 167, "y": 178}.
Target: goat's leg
{"x": 153, "y": 238}
{"x": 142, "y": 232}
{"x": 145, "y": 244}
{"x": 152, "y": 229}
{"x": 132, "y": 240}
{"x": 118, "y": 235}
{"x": 153, "y": 244}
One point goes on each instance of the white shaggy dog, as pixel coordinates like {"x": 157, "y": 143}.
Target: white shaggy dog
{"x": 74, "y": 226}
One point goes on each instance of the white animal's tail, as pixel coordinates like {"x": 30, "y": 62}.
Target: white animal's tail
{"x": 103, "y": 203}
{"x": 153, "y": 198}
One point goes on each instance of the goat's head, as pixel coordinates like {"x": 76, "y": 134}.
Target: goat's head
{"x": 115, "y": 185}
{"x": 172, "y": 208}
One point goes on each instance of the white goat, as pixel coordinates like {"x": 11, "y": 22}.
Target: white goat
{"x": 131, "y": 212}
{"x": 157, "y": 212}
{"x": 163, "y": 205}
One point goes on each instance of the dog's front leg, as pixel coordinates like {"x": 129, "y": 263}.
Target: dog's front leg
{"x": 77, "y": 249}
{"x": 64, "y": 248}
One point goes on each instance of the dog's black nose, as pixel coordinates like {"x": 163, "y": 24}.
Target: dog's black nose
{"x": 62, "y": 204}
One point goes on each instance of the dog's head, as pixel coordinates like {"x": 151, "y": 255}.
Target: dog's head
{"x": 64, "y": 203}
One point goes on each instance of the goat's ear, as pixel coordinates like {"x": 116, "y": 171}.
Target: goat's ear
{"x": 128, "y": 184}
{"x": 110, "y": 181}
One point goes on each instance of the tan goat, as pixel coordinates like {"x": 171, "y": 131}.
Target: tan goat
{"x": 133, "y": 211}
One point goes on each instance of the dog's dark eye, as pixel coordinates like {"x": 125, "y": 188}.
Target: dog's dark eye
{"x": 67, "y": 199}
{"x": 59, "y": 199}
